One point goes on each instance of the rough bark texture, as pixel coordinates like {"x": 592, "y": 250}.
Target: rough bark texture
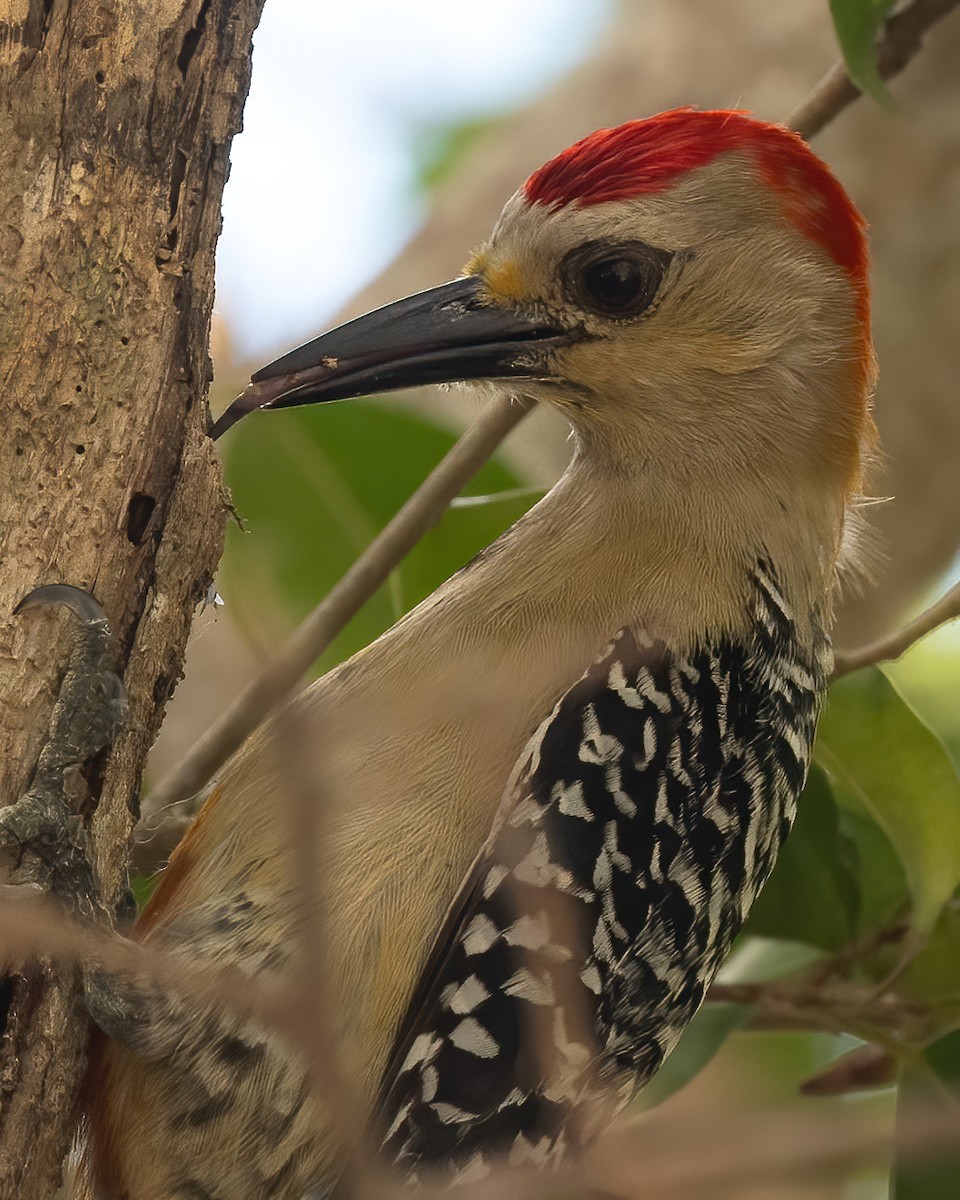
{"x": 115, "y": 125}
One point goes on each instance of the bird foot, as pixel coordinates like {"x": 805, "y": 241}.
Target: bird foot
{"x": 42, "y": 838}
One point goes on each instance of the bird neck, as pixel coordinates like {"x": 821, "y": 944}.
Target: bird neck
{"x": 617, "y": 543}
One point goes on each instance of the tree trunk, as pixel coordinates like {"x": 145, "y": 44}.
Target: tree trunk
{"x": 115, "y": 129}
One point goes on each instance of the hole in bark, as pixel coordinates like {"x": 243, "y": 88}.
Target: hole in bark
{"x": 124, "y": 341}
{"x": 6, "y": 995}
{"x": 80, "y": 449}
{"x": 93, "y": 773}
{"x": 192, "y": 39}
{"x": 47, "y": 13}
{"x": 19, "y": 452}
{"x": 139, "y": 512}
{"x": 176, "y": 183}
{"x": 100, "y": 77}
{"x": 78, "y": 388}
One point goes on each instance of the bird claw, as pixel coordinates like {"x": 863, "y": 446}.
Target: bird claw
{"x": 92, "y": 705}
{"x": 41, "y": 834}
{"x": 81, "y": 603}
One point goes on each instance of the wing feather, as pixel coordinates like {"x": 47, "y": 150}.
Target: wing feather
{"x": 643, "y": 817}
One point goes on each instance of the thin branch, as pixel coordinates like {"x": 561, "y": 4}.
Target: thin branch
{"x": 803, "y": 1006}
{"x": 30, "y": 926}
{"x": 750, "y": 1153}
{"x": 634, "y": 1160}
{"x": 889, "y": 648}
{"x": 902, "y": 38}
{"x": 861, "y": 1069}
{"x": 737, "y": 1154}
{"x": 305, "y": 795}
{"x": 281, "y": 675}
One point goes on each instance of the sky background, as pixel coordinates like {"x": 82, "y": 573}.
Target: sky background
{"x": 323, "y": 184}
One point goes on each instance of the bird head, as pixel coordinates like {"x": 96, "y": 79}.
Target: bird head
{"x": 689, "y": 288}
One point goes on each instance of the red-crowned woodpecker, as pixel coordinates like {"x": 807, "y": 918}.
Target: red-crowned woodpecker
{"x": 556, "y": 786}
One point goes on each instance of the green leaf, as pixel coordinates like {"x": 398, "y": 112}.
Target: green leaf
{"x": 142, "y": 886}
{"x": 857, "y": 23}
{"x": 931, "y": 1084}
{"x": 760, "y": 959}
{"x": 313, "y": 488}
{"x": 883, "y": 757}
{"x": 439, "y": 151}
{"x": 812, "y": 894}
{"x": 882, "y": 889}
{"x": 933, "y": 975}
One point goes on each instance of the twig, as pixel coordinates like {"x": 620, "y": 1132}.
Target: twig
{"x": 889, "y": 648}
{"x": 305, "y": 795}
{"x": 806, "y": 1006}
{"x": 31, "y": 927}
{"x": 861, "y": 1069}
{"x": 737, "y": 1154}
{"x": 749, "y": 1153}
{"x": 902, "y": 38}
{"x": 278, "y": 678}
{"x": 636, "y": 1160}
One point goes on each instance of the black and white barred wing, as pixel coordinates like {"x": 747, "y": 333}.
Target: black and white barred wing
{"x": 644, "y": 816}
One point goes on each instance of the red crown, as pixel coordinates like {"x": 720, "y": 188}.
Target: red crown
{"x": 642, "y": 157}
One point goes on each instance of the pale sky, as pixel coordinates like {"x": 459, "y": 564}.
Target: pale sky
{"x": 321, "y": 190}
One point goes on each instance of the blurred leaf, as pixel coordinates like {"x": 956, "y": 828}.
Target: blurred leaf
{"x": 883, "y": 756}
{"x": 439, "y": 151}
{"x": 759, "y": 959}
{"x": 944, "y": 1058}
{"x": 933, "y": 975}
{"x": 699, "y": 1042}
{"x": 812, "y": 894}
{"x": 927, "y": 679}
{"x": 866, "y": 1067}
{"x": 520, "y": 493}
{"x": 313, "y": 488}
{"x": 882, "y": 889}
{"x": 857, "y": 23}
{"x": 933, "y": 1081}
{"x": 142, "y": 887}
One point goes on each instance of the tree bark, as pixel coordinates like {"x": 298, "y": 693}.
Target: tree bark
{"x": 115, "y": 127}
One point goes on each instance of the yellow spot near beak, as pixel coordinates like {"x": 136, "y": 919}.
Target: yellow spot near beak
{"x": 503, "y": 280}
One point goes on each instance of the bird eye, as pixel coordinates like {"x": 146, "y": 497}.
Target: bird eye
{"x": 614, "y": 283}
{"x": 614, "y": 280}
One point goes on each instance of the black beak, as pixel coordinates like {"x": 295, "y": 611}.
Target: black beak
{"x": 439, "y": 336}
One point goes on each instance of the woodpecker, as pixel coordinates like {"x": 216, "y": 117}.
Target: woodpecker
{"x": 555, "y": 787}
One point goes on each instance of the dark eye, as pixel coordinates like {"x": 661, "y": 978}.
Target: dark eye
{"x": 614, "y": 283}
{"x": 614, "y": 279}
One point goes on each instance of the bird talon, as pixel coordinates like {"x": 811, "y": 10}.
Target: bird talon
{"x": 41, "y": 831}
{"x": 93, "y": 702}
{"x": 79, "y": 602}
